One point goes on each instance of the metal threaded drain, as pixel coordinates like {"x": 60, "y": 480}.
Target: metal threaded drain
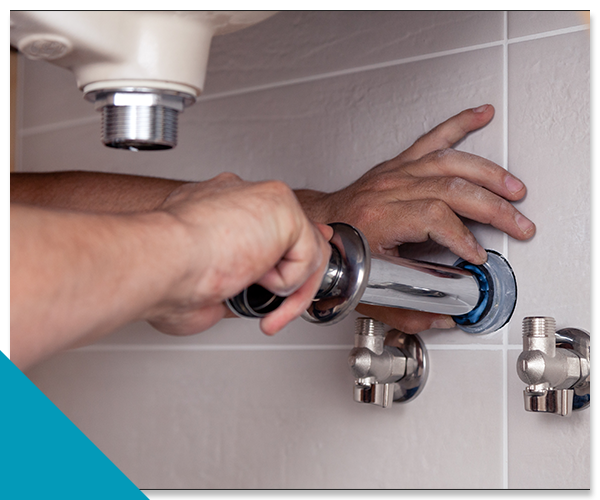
{"x": 139, "y": 118}
{"x": 148, "y": 128}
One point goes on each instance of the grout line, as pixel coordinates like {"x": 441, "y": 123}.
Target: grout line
{"x": 395, "y": 62}
{"x": 51, "y": 127}
{"x": 546, "y": 34}
{"x": 505, "y": 417}
{"x": 505, "y": 249}
{"x": 266, "y": 347}
{"x": 348, "y": 71}
{"x": 473, "y": 347}
{"x": 211, "y": 347}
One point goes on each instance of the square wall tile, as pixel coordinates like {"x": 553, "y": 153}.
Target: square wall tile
{"x": 549, "y": 149}
{"x": 295, "y": 45}
{"x": 50, "y": 95}
{"x": 522, "y": 23}
{"x": 258, "y": 419}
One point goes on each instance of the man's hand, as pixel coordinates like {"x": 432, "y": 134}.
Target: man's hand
{"x": 420, "y": 195}
{"x": 77, "y": 276}
{"x": 251, "y": 233}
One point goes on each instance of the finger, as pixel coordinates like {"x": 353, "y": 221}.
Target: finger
{"x": 292, "y": 307}
{"x": 423, "y": 220}
{"x": 449, "y": 132}
{"x": 486, "y": 173}
{"x": 476, "y": 203}
{"x": 301, "y": 299}
{"x": 228, "y": 179}
{"x": 405, "y": 320}
{"x": 309, "y": 253}
{"x": 325, "y": 230}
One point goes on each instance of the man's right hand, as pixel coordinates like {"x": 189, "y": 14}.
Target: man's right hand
{"x": 247, "y": 233}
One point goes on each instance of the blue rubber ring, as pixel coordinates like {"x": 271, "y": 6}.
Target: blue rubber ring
{"x": 485, "y": 298}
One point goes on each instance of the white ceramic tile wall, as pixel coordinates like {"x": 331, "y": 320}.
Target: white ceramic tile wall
{"x": 316, "y": 99}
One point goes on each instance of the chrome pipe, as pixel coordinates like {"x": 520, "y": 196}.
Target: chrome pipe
{"x": 421, "y": 286}
{"x": 480, "y": 299}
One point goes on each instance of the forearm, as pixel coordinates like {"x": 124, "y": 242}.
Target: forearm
{"x": 102, "y": 192}
{"x": 76, "y": 276}
{"x": 91, "y": 191}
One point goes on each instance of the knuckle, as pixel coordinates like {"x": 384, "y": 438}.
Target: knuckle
{"x": 455, "y": 184}
{"x": 228, "y": 177}
{"x": 437, "y": 210}
{"x": 277, "y": 196}
{"x": 502, "y": 206}
{"x": 278, "y": 187}
{"x": 441, "y": 159}
{"x": 370, "y": 215}
{"x": 501, "y": 209}
{"x": 380, "y": 181}
{"x": 443, "y": 154}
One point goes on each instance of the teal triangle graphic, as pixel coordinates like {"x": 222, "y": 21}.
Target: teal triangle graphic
{"x": 44, "y": 455}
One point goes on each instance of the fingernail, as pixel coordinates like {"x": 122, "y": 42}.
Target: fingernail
{"x": 513, "y": 184}
{"x": 524, "y": 223}
{"x": 480, "y": 109}
{"x": 482, "y": 252}
{"x": 443, "y": 324}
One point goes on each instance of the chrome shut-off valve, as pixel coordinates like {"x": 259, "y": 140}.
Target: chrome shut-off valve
{"x": 386, "y": 368}
{"x": 555, "y": 365}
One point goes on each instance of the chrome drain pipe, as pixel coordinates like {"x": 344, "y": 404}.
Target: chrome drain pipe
{"x": 480, "y": 299}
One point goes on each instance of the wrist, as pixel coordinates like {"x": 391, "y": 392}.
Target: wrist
{"x": 316, "y": 205}
{"x": 170, "y": 258}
